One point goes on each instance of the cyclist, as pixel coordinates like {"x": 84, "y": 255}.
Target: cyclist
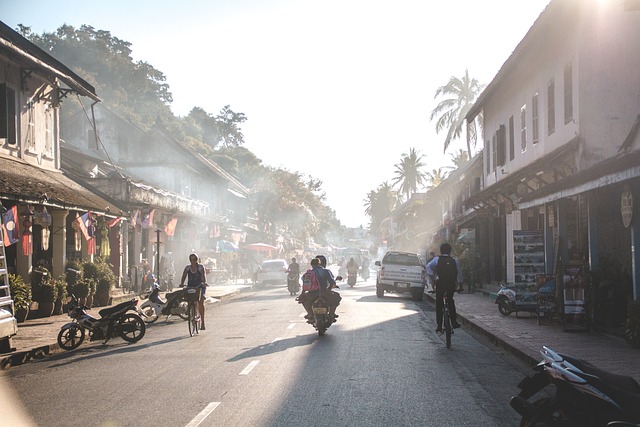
{"x": 448, "y": 275}
{"x": 197, "y": 278}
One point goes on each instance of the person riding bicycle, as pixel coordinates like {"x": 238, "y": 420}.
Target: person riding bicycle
{"x": 449, "y": 279}
{"x": 197, "y": 279}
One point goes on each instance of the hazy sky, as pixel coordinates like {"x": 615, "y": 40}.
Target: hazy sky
{"x": 335, "y": 89}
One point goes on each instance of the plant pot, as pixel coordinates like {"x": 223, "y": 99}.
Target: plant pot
{"x": 57, "y": 308}
{"x": 21, "y": 314}
{"x": 101, "y": 299}
{"x": 45, "y": 309}
{"x": 89, "y": 302}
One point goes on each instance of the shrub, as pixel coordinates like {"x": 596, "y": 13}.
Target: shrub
{"x": 20, "y": 292}
{"x": 81, "y": 289}
{"x": 632, "y": 332}
{"x": 61, "y": 288}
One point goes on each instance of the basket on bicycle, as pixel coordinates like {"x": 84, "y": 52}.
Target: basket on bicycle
{"x": 192, "y": 294}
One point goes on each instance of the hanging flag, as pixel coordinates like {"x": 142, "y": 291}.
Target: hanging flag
{"x": 114, "y": 221}
{"x": 84, "y": 221}
{"x": 170, "y": 228}
{"x": 10, "y": 226}
{"x": 147, "y": 221}
{"x": 27, "y": 238}
{"x": 135, "y": 218}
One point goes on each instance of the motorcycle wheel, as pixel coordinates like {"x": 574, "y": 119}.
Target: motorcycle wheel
{"x": 183, "y": 310}
{"x": 503, "y": 307}
{"x": 131, "y": 328}
{"x": 322, "y": 328}
{"x": 150, "y": 315}
{"x": 550, "y": 420}
{"x": 71, "y": 337}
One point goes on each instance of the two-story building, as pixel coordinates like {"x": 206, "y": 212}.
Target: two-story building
{"x": 561, "y": 145}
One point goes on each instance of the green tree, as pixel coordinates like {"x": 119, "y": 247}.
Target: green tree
{"x": 408, "y": 173}
{"x": 460, "y": 94}
{"x": 459, "y": 158}
{"x": 437, "y": 176}
{"x": 379, "y": 204}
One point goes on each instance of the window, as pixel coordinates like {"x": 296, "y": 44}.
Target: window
{"x": 48, "y": 131}
{"x": 31, "y": 127}
{"x": 512, "y": 140}
{"x": 568, "y": 94}
{"x": 501, "y": 137}
{"x": 487, "y": 148}
{"x": 534, "y": 119}
{"x": 494, "y": 151}
{"x": 523, "y": 127}
{"x": 8, "y": 117}
{"x": 551, "y": 107}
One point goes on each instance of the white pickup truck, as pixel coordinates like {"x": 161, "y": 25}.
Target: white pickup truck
{"x": 401, "y": 272}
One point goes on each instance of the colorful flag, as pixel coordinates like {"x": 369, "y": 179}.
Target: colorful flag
{"x": 10, "y": 226}
{"x": 114, "y": 221}
{"x": 170, "y": 228}
{"x": 84, "y": 222}
{"x": 147, "y": 221}
{"x": 135, "y": 218}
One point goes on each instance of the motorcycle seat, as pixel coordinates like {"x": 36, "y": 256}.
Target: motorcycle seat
{"x": 172, "y": 294}
{"x": 110, "y": 310}
{"x": 629, "y": 401}
{"x": 619, "y": 381}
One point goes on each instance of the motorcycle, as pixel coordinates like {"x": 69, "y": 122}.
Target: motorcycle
{"x": 365, "y": 273}
{"x": 322, "y": 317}
{"x": 516, "y": 298}
{"x": 352, "y": 277}
{"x": 113, "y": 321}
{"x": 584, "y": 395}
{"x": 155, "y": 306}
{"x": 293, "y": 283}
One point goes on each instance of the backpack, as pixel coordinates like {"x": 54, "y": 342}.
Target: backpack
{"x": 447, "y": 270}
{"x": 310, "y": 281}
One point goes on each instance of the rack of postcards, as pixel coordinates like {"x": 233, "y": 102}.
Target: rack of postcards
{"x": 528, "y": 250}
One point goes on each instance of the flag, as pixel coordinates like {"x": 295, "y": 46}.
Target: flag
{"x": 84, "y": 221}
{"x": 170, "y": 228}
{"x": 27, "y": 238}
{"x": 114, "y": 221}
{"x": 10, "y": 226}
{"x": 147, "y": 221}
{"x": 135, "y": 218}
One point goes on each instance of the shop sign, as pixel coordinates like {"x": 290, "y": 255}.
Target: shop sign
{"x": 626, "y": 206}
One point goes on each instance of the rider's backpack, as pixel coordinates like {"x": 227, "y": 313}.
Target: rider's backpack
{"x": 447, "y": 270}
{"x": 310, "y": 281}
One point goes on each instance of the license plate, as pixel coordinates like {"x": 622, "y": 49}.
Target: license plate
{"x": 402, "y": 285}
{"x": 320, "y": 310}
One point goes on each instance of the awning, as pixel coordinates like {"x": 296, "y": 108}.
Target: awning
{"x": 26, "y": 183}
{"x": 236, "y": 193}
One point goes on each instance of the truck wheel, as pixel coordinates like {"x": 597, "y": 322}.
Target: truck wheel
{"x": 379, "y": 292}
{"x": 5, "y": 345}
{"x": 418, "y": 294}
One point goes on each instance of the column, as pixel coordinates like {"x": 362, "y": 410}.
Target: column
{"x": 59, "y": 241}
{"x": 635, "y": 257}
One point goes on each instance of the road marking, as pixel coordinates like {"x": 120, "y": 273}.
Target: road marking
{"x": 275, "y": 341}
{"x": 291, "y": 326}
{"x": 203, "y": 414}
{"x": 249, "y": 367}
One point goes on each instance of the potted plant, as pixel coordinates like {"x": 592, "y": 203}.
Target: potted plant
{"x": 92, "y": 292}
{"x": 61, "y": 294}
{"x": 47, "y": 294}
{"x": 21, "y": 294}
{"x": 102, "y": 274}
{"x": 81, "y": 291}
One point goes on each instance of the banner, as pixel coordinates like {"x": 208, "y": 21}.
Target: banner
{"x": 147, "y": 221}
{"x": 84, "y": 222}
{"x": 170, "y": 228}
{"x": 10, "y": 226}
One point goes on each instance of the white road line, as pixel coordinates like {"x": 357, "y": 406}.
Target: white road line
{"x": 203, "y": 414}
{"x": 291, "y": 326}
{"x": 275, "y": 341}
{"x": 249, "y": 367}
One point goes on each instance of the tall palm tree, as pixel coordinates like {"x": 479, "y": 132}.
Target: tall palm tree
{"x": 437, "y": 176}
{"x": 409, "y": 174}
{"x": 460, "y": 94}
{"x": 379, "y": 204}
{"x": 459, "y": 158}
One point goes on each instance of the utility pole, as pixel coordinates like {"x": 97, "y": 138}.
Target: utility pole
{"x": 158, "y": 255}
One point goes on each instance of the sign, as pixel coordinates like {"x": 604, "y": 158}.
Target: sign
{"x": 626, "y": 206}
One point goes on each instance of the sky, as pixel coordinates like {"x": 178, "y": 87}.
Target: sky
{"x": 337, "y": 90}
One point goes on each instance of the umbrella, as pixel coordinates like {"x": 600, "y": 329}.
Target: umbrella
{"x": 260, "y": 247}
{"x": 226, "y": 246}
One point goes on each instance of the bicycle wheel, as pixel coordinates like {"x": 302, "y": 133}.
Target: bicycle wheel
{"x": 446, "y": 319}
{"x": 193, "y": 322}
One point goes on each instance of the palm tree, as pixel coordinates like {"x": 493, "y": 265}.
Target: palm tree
{"x": 437, "y": 176}
{"x": 460, "y": 95}
{"x": 409, "y": 174}
{"x": 459, "y": 158}
{"x": 379, "y": 204}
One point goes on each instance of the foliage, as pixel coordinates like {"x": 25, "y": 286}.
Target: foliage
{"x": 60, "y": 284}
{"x": 20, "y": 292}
{"x": 632, "y": 332}
{"x": 459, "y": 158}
{"x": 45, "y": 291}
{"x": 81, "y": 289}
{"x": 460, "y": 95}
{"x": 409, "y": 174}
{"x": 378, "y": 206}
{"x": 100, "y": 272}
{"x": 437, "y": 176}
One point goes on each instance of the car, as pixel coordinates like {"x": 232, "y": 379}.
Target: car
{"x": 401, "y": 272}
{"x": 273, "y": 271}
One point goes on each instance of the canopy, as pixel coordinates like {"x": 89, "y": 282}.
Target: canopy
{"x": 226, "y": 246}
{"x": 260, "y": 247}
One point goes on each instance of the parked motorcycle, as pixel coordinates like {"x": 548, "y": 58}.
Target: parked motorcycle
{"x": 514, "y": 298}
{"x": 154, "y": 306}
{"x": 584, "y": 395}
{"x": 293, "y": 283}
{"x": 113, "y": 321}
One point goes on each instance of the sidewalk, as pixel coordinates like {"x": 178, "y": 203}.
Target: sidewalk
{"x": 38, "y": 337}
{"x": 523, "y": 336}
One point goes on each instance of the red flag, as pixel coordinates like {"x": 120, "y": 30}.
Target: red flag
{"x": 27, "y": 239}
{"x": 10, "y": 226}
{"x": 170, "y": 228}
{"x": 84, "y": 222}
{"x": 114, "y": 221}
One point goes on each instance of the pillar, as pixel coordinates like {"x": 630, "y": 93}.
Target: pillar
{"x": 59, "y": 241}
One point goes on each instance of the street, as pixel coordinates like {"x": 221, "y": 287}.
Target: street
{"x": 259, "y": 364}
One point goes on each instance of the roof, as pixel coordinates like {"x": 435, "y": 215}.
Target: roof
{"x": 31, "y": 56}
{"x": 26, "y": 183}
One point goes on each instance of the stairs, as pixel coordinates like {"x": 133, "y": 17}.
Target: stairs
{"x": 8, "y": 324}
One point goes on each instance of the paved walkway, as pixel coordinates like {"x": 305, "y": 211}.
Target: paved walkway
{"x": 520, "y": 335}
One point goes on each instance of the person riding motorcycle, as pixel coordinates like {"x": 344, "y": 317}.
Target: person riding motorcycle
{"x": 335, "y": 297}
{"x": 327, "y": 281}
{"x": 294, "y": 267}
{"x": 352, "y": 266}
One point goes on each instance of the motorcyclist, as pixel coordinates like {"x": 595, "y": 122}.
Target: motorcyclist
{"x": 294, "y": 267}
{"x": 352, "y": 266}
{"x": 335, "y": 297}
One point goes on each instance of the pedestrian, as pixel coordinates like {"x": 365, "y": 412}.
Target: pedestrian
{"x": 197, "y": 277}
{"x": 235, "y": 268}
{"x": 448, "y": 279}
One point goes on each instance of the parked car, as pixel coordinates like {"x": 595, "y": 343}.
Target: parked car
{"x": 273, "y": 271}
{"x": 401, "y": 272}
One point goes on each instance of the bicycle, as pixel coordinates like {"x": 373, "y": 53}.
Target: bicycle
{"x": 447, "y": 324}
{"x": 192, "y": 296}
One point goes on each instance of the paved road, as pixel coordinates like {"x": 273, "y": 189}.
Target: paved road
{"x": 260, "y": 364}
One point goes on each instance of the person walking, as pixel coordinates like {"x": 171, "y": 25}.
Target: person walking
{"x": 448, "y": 279}
{"x": 197, "y": 277}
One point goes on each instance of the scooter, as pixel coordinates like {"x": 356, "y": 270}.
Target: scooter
{"x": 584, "y": 395}
{"x": 511, "y": 299}
{"x": 293, "y": 283}
{"x": 352, "y": 277}
{"x": 113, "y": 321}
{"x": 365, "y": 273}
{"x": 154, "y": 306}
